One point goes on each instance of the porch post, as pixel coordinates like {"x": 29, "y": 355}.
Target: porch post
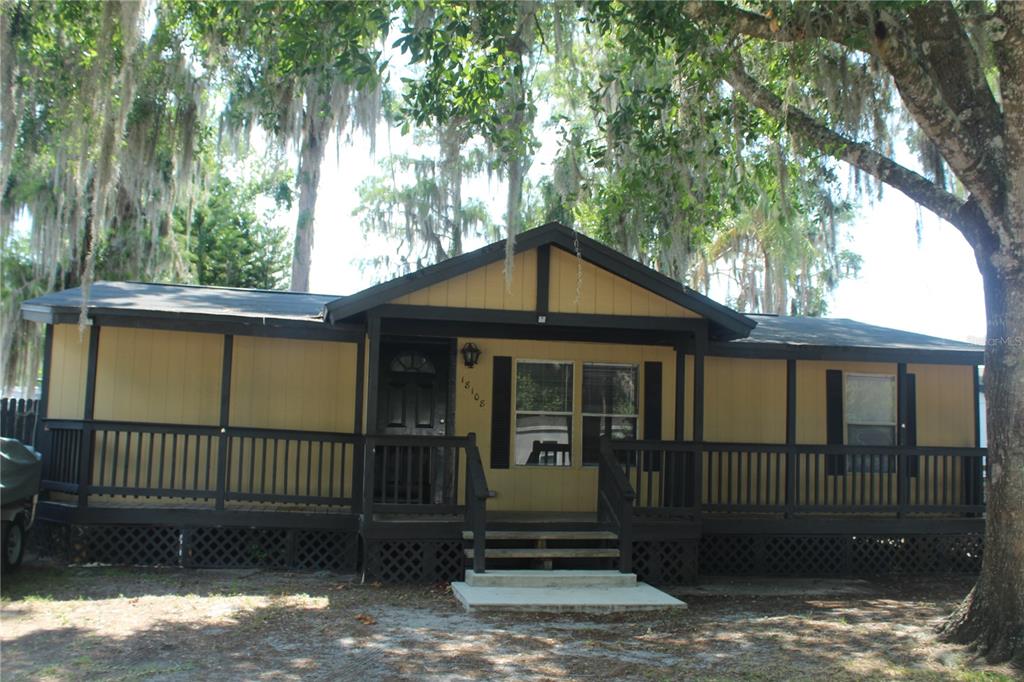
{"x": 363, "y": 473}
{"x": 225, "y": 413}
{"x": 902, "y": 480}
{"x": 700, "y": 350}
{"x": 87, "y": 446}
{"x": 40, "y": 434}
{"x": 791, "y": 454}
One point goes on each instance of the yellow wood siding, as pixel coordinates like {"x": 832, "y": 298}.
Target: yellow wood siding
{"x": 149, "y": 375}
{"x": 68, "y": 365}
{"x": 945, "y": 404}
{"x": 745, "y": 400}
{"x": 549, "y": 488}
{"x": 484, "y": 287}
{"x": 293, "y": 384}
{"x": 577, "y": 286}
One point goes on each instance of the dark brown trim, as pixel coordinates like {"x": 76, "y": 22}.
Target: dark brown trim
{"x": 88, "y": 410}
{"x": 225, "y": 418}
{"x": 777, "y": 351}
{"x": 141, "y": 516}
{"x": 791, "y": 401}
{"x": 733, "y": 524}
{"x": 449, "y": 329}
{"x": 680, "y": 417}
{"x": 373, "y": 378}
{"x": 44, "y": 391}
{"x": 89, "y": 406}
{"x": 835, "y": 465}
{"x": 543, "y": 278}
{"x": 513, "y": 317}
{"x": 978, "y": 416}
{"x": 901, "y": 404}
{"x": 357, "y": 424}
{"x": 194, "y": 322}
{"x": 698, "y": 387}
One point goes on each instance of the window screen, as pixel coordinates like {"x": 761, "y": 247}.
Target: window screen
{"x": 610, "y": 405}
{"x": 544, "y": 413}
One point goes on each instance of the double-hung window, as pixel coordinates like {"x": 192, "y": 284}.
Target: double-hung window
{"x": 610, "y": 405}
{"x": 544, "y": 413}
{"x": 871, "y": 417}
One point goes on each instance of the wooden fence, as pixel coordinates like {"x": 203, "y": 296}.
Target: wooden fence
{"x": 18, "y": 419}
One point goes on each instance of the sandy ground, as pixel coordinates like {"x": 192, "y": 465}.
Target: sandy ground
{"x": 132, "y": 624}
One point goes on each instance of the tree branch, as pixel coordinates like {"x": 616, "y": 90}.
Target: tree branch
{"x": 966, "y": 148}
{"x": 938, "y": 75}
{"x": 844, "y": 23}
{"x": 1009, "y": 53}
{"x": 923, "y": 191}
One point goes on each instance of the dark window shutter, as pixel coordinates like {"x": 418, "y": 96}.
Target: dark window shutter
{"x": 652, "y": 412}
{"x": 835, "y": 465}
{"x": 910, "y": 433}
{"x": 501, "y": 412}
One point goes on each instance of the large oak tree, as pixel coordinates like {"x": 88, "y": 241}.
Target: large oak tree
{"x": 958, "y": 72}
{"x": 849, "y": 81}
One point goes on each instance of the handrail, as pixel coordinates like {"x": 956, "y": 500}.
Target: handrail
{"x": 615, "y": 497}
{"x": 477, "y": 493}
{"x": 820, "y": 448}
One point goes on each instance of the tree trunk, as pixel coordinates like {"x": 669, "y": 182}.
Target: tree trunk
{"x": 314, "y": 140}
{"x": 991, "y": 618}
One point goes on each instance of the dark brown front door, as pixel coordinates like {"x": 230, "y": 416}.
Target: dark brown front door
{"x": 414, "y": 380}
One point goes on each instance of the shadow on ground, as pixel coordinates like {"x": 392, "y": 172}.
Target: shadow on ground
{"x": 106, "y": 623}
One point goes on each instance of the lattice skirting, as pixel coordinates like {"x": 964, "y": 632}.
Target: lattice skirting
{"x": 203, "y": 547}
{"x": 825, "y": 555}
{"x": 665, "y": 562}
{"x": 413, "y": 561}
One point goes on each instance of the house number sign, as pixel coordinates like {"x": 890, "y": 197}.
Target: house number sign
{"x": 468, "y": 385}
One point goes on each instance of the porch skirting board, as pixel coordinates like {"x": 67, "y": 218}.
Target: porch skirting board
{"x": 198, "y": 547}
{"x": 666, "y": 562}
{"x": 841, "y": 555}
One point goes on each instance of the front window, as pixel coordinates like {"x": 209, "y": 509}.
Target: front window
{"x": 870, "y": 409}
{"x": 610, "y": 405}
{"x": 544, "y": 413}
{"x": 871, "y": 419}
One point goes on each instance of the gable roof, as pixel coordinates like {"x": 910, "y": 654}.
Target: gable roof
{"x": 725, "y": 322}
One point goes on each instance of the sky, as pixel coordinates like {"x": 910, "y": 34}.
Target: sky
{"x": 930, "y": 286}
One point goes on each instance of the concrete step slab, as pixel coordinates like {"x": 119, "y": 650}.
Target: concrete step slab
{"x": 641, "y": 597}
{"x": 555, "y": 578}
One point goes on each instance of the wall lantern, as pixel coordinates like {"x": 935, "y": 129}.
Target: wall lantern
{"x": 470, "y": 354}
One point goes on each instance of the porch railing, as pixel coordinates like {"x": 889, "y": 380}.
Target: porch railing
{"x": 615, "y": 500}
{"x": 199, "y": 463}
{"x": 424, "y": 476}
{"x": 678, "y": 479}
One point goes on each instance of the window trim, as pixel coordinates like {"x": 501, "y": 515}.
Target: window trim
{"x": 887, "y": 463}
{"x": 846, "y": 404}
{"x": 606, "y": 415}
{"x": 516, "y": 412}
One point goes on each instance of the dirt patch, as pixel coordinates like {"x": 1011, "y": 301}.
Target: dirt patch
{"x": 124, "y": 624}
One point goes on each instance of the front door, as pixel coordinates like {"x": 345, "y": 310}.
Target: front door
{"x": 413, "y": 401}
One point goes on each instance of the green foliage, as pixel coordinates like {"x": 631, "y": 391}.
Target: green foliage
{"x": 235, "y": 243}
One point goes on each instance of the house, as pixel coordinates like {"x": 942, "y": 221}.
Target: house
{"x": 586, "y": 411}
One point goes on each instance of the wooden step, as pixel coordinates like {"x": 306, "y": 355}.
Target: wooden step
{"x": 547, "y": 553}
{"x": 545, "y": 535}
